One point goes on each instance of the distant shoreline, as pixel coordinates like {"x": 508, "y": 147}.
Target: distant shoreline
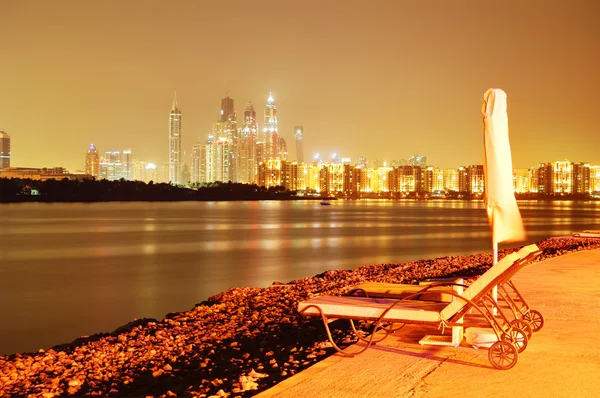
{"x": 15, "y": 190}
{"x": 45, "y": 199}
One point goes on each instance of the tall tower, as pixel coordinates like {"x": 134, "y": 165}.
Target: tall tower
{"x": 209, "y": 160}
{"x": 247, "y": 152}
{"x": 126, "y": 171}
{"x": 175, "y": 143}
{"x": 4, "y": 150}
{"x": 270, "y": 130}
{"x": 92, "y": 162}
{"x": 227, "y": 110}
{"x": 299, "y": 138}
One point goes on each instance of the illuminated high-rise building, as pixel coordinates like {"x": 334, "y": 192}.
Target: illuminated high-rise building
{"x": 4, "y": 150}
{"x": 222, "y": 160}
{"x": 175, "y": 143}
{"x": 111, "y": 167}
{"x": 595, "y": 179}
{"x": 246, "y": 148}
{"x": 92, "y": 162}
{"x": 209, "y": 160}
{"x": 282, "y": 150}
{"x": 299, "y": 138}
{"x": 270, "y": 130}
{"x": 197, "y": 164}
{"x": 126, "y": 167}
{"x": 227, "y": 110}
{"x": 581, "y": 178}
{"x": 561, "y": 177}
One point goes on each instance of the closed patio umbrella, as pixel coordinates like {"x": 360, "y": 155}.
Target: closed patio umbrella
{"x": 499, "y": 194}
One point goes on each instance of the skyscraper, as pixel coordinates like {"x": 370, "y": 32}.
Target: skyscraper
{"x": 175, "y": 143}
{"x": 4, "y": 150}
{"x": 111, "y": 167}
{"x": 299, "y": 137}
{"x": 210, "y": 154}
{"x": 227, "y": 110}
{"x": 196, "y": 164}
{"x": 247, "y": 147}
{"x": 127, "y": 171}
{"x": 270, "y": 130}
{"x": 92, "y": 162}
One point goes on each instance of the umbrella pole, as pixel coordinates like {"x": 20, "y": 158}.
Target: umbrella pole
{"x": 495, "y": 261}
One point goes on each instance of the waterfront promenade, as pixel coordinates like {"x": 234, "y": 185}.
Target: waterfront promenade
{"x": 561, "y": 360}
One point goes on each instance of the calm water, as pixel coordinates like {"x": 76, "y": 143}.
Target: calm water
{"x": 76, "y": 269}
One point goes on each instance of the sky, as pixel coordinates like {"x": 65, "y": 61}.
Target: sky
{"x": 379, "y": 79}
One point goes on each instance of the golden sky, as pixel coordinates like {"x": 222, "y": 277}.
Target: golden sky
{"x": 380, "y": 79}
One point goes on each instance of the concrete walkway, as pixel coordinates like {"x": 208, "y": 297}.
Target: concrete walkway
{"x": 562, "y": 359}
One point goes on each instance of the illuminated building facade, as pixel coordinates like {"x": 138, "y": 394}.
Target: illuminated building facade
{"x": 175, "y": 143}
{"x": 111, "y": 166}
{"x": 247, "y": 147}
{"x": 4, "y": 150}
{"x": 404, "y": 179}
{"x": 42, "y": 174}
{"x": 427, "y": 181}
{"x": 227, "y": 128}
{"x": 451, "y": 180}
{"x": 523, "y": 181}
{"x": 438, "y": 180}
{"x": 581, "y": 178}
{"x": 292, "y": 177}
{"x": 92, "y": 162}
{"x": 298, "y": 139}
{"x": 283, "y": 152}
{"x": 270, "y": 130}
{"x": 222, "y": 159}
{"x": 210, "y": 151}
{"x": 595, "y": 179}
{"x": 561, "y": 178}
{"x": 470, "y": 179}
{"x": 269, "y": 173}
{"x": 126, "y": 171}
{"x": 196, "y": 177}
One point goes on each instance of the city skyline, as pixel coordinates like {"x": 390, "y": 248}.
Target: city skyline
{"x": 383, "y": 80}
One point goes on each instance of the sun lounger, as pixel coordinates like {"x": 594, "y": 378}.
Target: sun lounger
{"x": 503, "y": 354}
{"x": 509, "y": 296}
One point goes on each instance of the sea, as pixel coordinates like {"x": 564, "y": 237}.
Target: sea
{"x": 75, "y": 269}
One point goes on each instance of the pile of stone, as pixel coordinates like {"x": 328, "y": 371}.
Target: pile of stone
{"x": 237, "y": 343}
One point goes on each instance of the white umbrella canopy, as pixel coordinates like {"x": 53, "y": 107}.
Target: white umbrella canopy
{"x": 502, "y": 209}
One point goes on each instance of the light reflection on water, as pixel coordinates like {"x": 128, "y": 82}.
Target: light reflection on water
{"x": 75, "y": 269}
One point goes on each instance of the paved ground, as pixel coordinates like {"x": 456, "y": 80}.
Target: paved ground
{"x": 562, "y": 359}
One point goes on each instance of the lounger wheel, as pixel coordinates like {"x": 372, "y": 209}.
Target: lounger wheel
{"x": 523, "y": 325}
{"x": 503, "y": 355}
{"x": 517, "y": 337}
{"x": 535, "y": 319}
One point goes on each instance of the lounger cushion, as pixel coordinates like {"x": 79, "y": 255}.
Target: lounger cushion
{"x": 372, "y": 308}
{"x": 401, "y": 290}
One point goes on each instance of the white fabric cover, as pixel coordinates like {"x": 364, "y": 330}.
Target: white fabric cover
{"x": 503, "y": 213}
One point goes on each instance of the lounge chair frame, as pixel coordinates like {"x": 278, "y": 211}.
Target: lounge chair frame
{"x": 503, "y": 354}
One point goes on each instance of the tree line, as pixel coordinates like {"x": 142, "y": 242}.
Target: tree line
{"x": 65, "y": 190}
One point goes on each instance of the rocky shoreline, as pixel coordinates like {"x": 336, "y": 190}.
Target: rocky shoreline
{"x": 236, "y": 343}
